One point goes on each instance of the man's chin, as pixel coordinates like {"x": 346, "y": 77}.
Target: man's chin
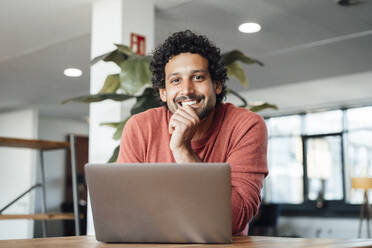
{"x": 203, "y": 114}
{"x": 201, "y": 111}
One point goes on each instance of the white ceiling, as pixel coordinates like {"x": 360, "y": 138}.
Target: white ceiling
{"x": 300, "y": 41}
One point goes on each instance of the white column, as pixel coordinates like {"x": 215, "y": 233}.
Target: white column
{"x": 18, "y": 172}
{"x": 112, "y": 22}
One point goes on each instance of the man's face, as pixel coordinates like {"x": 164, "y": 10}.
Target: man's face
{"x": 188, "y": 81}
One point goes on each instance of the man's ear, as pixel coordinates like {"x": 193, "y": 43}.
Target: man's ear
{"x": 163, "y": 95}
{"x": 218, "y": 87}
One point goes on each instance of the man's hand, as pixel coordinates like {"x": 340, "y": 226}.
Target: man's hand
{"x": 182, "y": 126}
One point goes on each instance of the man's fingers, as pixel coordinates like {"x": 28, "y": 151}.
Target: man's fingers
{"x": 171, "y": 127}
{"x": 189, "y": 113}
{"x": 180, "y": 119}
{"x": 172, "y": 124}
{"x": 184, "y": 116}
{"x": 189, "y": 110}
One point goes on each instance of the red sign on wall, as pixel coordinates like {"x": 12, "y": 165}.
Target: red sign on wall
{"x": 138, "y": 43}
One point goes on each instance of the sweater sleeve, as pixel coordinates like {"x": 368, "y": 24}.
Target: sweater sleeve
{"x": 131, "y": 144}
{"x": 248, "y": 169}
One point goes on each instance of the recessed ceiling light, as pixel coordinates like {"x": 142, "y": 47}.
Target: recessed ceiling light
{"x": 249, "y": 27}
{"x": 72, "y": 72}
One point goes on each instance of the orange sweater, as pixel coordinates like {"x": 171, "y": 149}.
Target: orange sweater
{"x": 237, "y": 136}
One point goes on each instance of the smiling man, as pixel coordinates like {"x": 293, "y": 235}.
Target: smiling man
{"x": 195, "y": 126}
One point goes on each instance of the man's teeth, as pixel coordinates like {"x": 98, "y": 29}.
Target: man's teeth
{"x": 188, "y": 103}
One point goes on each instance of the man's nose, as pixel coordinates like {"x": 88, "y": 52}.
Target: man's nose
{"x": 187, "y": 87}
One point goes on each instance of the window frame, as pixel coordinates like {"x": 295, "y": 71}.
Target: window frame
{"x": 304, "y": 138}
{"x": 332, "y": 208}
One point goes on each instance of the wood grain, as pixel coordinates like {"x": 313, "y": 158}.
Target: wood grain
{"x": 33, "y": 144}
{"x": 241, "y": 242}
{"x": 48, "y": 216}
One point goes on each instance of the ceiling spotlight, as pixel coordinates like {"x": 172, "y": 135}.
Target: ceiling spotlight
{"x": 249, "y": 27}
{"x": 72, "y": 72}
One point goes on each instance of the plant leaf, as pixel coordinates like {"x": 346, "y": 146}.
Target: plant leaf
{"x": 99, "y": 58}
{"x": 99, "y": 97}
{"x": 119, "y": 126}
{"x": 124, "y": 49}
{"x": 114, "y": 156}
{"x": 236, "y": 71}
{"x": 111, "y": 84}
{"x": 230, "y": 91}
{"x": 148, "y": 58}
{"x": 119, "y": 129}
{"x": 111, "y": 124}
{"x": 135, "y": 73}
{"x": 115, "y": 56}
{"x": 261, "y": 106}
{"x": 236, "y": 55}
{"x": 146, "y": 101}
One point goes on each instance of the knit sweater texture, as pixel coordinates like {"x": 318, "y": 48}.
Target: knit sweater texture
{"x": 237, "y": 136}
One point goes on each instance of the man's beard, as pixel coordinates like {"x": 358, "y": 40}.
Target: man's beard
{"x": 207, "y": 107}
{"x": 205, "y": 112}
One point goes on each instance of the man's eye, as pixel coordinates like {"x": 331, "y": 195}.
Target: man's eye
{"x": 175, "y": 80}
{"x": 198, "y": 77}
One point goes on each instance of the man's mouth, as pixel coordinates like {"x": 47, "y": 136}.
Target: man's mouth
{"x": 186, "y": 101}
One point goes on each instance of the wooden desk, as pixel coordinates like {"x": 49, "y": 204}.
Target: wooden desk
{"x": 241, "y": 242}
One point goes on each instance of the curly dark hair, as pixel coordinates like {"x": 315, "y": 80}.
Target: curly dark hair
{"x": 188, "y": 42}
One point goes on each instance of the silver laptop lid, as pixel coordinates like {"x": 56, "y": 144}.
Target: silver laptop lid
{"x": 161, "y": 203}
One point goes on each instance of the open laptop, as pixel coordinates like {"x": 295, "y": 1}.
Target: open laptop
{"x": 160, "y": 202}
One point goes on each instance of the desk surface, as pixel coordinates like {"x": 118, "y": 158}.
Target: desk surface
{"x": 241, "y": 242}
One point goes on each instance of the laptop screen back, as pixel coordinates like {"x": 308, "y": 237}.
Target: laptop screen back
{"x": 161, "y": 203}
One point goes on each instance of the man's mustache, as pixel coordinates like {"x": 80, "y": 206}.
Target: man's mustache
{"x": 189, "y": 98}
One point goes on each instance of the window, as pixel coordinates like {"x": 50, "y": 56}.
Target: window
{"x": 323, "y": 122}
{"x": 287, "y": 125}
{"x": 285, "y": 166}
{"x": 358, "y": 146}
{"x": 324, "y": 167}
{"x": 285, "y": 161}
{"x": 315, "y": 155}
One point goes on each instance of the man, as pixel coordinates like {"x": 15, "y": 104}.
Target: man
{"x": 195, "y": 126}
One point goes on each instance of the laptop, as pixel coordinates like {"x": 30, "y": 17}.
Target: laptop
{"x": 160, "y": 202}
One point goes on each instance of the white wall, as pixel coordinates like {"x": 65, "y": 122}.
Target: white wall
{"x": 17, "y": 172}
{"x": 55, "y": 161}
{"x": 112, "y": 22}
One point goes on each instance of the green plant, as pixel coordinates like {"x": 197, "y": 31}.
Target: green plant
{"x": 134, "y": 81}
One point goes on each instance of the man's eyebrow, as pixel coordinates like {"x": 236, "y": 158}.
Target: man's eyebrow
{"x": 191, "y": 72}
{"x": 173, "y": 74}
{"x": 195, "y": 71}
